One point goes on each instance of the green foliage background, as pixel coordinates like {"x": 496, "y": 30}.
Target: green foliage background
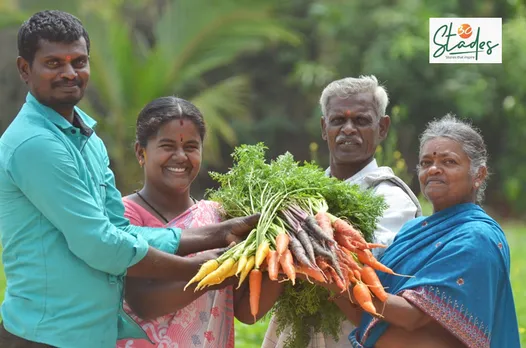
{"x": 256, "y": 69}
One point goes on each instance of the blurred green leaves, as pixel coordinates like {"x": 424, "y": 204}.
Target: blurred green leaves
{"x": 184, "y": 43}
{"x": 256, "y": 69}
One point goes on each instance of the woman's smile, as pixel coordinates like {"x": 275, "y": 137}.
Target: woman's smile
{"x": 176, "y": 170}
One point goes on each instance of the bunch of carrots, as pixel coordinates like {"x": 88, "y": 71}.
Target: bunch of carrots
{"x": 302, "y": 229}
{"x": 302, "y": 238}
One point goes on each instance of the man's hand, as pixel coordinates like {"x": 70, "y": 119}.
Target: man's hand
{"x": 216, "y": 235}
{"x": 237, "y": 229}
{"x": 207, "y": 255}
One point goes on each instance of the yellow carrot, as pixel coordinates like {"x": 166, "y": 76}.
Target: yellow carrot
{"x": 216, "y": 276}
{"x": 211, "y": 282}
{"x": 233, "y": 271}
{"x": 207, "y": 268}
{"x": 241, "y": 264}
{"x": 249, "y": 266}
{"x": 262, "y": 252}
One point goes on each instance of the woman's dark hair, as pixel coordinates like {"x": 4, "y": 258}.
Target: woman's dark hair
{"x": 50, "y": 25}
{"x": 162, "y": 110}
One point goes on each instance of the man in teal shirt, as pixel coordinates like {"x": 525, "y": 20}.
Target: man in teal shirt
{"x": 66, "y": 245}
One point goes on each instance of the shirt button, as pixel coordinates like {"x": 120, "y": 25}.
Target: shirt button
{"x": 424, "y": 224}
{"x": 73, "y": 131}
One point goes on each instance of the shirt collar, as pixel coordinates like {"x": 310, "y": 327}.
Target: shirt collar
{"x": 369, "y": 168}
{"x": 84, "y": 122}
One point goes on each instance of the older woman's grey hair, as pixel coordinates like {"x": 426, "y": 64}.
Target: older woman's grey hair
{"x": 349, "y": 86}
{"x": 466, "y": 135}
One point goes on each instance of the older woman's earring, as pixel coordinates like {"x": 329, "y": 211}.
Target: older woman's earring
{"x": 141, "y": 163}
{"x": 477, "y": 184}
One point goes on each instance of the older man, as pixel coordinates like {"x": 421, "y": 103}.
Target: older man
{"x": 354, "y": 123}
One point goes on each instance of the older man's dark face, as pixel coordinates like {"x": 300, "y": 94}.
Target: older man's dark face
{"x": 352, "y": 129}
{"x": 59, "y": 73}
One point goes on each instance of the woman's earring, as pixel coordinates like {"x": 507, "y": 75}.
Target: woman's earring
{"x": 141, "y": 163}
{"x": 477, "y": 184}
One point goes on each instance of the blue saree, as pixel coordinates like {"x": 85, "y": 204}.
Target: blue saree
{"x": 461, "y": 263}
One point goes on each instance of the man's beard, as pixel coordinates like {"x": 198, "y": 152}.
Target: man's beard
{"x": 66, "y": 101}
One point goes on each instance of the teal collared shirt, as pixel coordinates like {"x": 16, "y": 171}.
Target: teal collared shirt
{"x": 66, "y": 243}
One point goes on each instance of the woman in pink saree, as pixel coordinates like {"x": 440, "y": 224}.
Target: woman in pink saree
{"x": 170, "y": 133}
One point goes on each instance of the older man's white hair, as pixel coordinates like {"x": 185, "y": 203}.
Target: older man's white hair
{"x": 349, "y": 86}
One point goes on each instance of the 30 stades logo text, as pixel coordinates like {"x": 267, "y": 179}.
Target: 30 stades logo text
{"x": 465, "y": 40}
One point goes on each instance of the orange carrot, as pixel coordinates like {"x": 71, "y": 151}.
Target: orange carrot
{"x": 273, "y": 264}
{"x": 328, "y": 275}
{"x": 254, "y": 284}
{"x": 370, "y": 278}
{"x": 267, "y": 258}
{"x": 309, "y": 272}
{"x": 367, "y": 245}
{"x": 352, "y": 278}
{"x": 322, "y": 263}
{"x": 367, "y": 258}
{"x": 339, "y": 282}
{"x": 377, "y": 265}
{"x": 364, "y": 256}
{"x": 353, "y": 264}
{"x": 345, "y": 273}
{"x": 347, "y": 259}
{"x": 287, "y": 264}
{"x": 342, "y": 227}
{"x": 357, "y": 275}
{"x": 282, "y": 243}
{"x": 324, "y": 221}
{"x": 264, "y": 266}
{"x": 344, "y": 241}
{"x": 348, "y": 251}
{"x": 363, "y": 297}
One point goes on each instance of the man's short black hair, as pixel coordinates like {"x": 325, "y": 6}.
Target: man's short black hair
{"x": 50, "y": 25}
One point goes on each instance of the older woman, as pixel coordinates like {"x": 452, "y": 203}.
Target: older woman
{"x": 460, "y": 295}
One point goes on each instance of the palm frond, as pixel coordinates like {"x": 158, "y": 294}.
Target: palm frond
{"x": 220, "y": 104}
{"x": 194, "y": 37}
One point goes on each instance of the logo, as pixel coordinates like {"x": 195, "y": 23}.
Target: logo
{"x": 465, "y": 40}
{"x": 465, "y": 31}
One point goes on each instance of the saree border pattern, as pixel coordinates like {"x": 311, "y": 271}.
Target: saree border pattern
{"x": 450, "y": 314}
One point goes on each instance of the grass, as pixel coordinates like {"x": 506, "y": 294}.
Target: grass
{"x": 248, "y": 336}
{"x": 516, "y": 235}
